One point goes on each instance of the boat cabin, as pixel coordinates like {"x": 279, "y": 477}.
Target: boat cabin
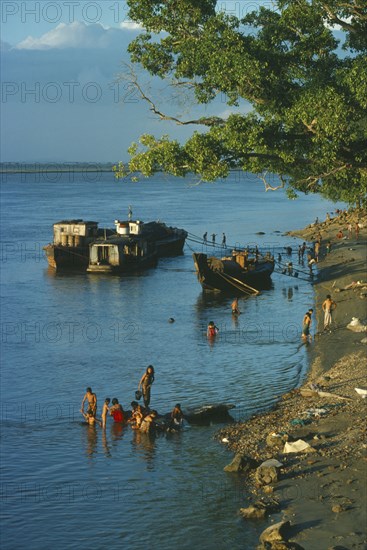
{"x": 120, "y": 254}
{"x": 74, "y": 232}
{"x": 129, "y": 227}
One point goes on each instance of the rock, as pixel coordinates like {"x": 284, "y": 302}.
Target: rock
{"x": 254, "y": 511}
{"x": 307, "y": 392}
{"x": 268, "y": 489}
{"x": 266, "y": 474}
{"x": 260, "y": 509}
{"x": 276, "y": 440}
{"x": 337, "y": 509}
{"x": 276, "y": 532}
{"x": 284, "y": 545}
{"x": 241, "y": 464}
{"x": 364, "y": 340}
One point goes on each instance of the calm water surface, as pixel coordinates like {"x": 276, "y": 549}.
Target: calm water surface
{"x": 65, "y": 485}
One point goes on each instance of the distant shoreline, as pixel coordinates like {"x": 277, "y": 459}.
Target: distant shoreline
{"x": 53, "y": 168}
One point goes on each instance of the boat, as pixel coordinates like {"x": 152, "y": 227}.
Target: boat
{"x": 130, "y": 245}
{"x": 234, "y": 274}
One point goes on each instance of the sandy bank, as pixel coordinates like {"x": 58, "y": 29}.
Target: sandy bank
{"x": 322, "y": 492}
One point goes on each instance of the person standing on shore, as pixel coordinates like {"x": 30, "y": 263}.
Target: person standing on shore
{"x": 328, "y": 306}
{"x": 306, "y": 324}
{"x": 317, "y": 250}
{"x": 303, "y": 249}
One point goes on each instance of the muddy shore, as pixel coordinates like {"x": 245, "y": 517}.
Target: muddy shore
{"x": 321, "y": 491}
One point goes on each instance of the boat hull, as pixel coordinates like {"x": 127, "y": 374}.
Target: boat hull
{"x": 125, "y": 267}
{"x": 67, "y": 257}
{"x": 259, "y": 277}
{"x": 170, "y": 247}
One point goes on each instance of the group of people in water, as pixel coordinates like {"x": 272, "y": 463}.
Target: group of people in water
{"x": 140, "y": 417}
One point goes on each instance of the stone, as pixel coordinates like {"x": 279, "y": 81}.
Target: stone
{"x": 283, "y": 545}
{"x": 275, "y": 533}
{"x": 337, "y": 509}
{"x": 271, "y": 462}
{"x": 276, "y": 440}
{"x": 260, "y": 509}
{"x": 241, "y": 464}
{"x": 265, "y": 475}
{"x": 254, "y": 511}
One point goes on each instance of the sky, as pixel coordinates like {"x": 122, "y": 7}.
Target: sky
{"x": 64, "y": 93}
{"x": 61, "y": 97}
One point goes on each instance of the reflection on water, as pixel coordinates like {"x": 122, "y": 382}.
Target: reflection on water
{"x": 235, "y": 321}
{"x": 89, "y": 434}
{"x": 106, "y": 445}
{"x": 117, "y": 431}
{"x": 144, "y": 445}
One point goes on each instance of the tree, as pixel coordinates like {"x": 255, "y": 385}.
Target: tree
{"x": 306, "y": 91}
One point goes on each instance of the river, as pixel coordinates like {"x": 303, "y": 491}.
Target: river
{"x": 65, "y": 485}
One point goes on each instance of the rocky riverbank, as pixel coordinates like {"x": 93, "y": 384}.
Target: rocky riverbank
{"x": 318, "y": 493}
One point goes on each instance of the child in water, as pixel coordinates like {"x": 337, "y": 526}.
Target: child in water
{"x": 136, "y": 417}
{"x": 91, "y": 418}
{"x": 105, "y": 410}
{"x": 212, "y": 330}
{"x": 235, "y": 308}
{"x": 176, "y": 418}
{"x": 148, "y": 424}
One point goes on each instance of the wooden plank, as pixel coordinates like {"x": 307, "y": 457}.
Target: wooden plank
{"x": 238, "y": 284}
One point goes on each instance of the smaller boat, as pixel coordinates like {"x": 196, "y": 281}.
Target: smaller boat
{"x": 235, "y": 274}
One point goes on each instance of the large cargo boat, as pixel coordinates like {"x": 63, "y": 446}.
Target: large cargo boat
{"x": 131, "y": 245}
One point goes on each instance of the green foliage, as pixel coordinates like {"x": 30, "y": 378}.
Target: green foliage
{"x": 306, "y": 92}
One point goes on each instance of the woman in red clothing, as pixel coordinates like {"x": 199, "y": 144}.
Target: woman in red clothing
{"x": 116, "y": 411}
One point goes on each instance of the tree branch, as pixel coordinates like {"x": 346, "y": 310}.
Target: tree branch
{"x": 312, "y": 180}
{"x": 269, "y": 187}
{"x": 335, "y": 19}
{"x": 205, "y": 121}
